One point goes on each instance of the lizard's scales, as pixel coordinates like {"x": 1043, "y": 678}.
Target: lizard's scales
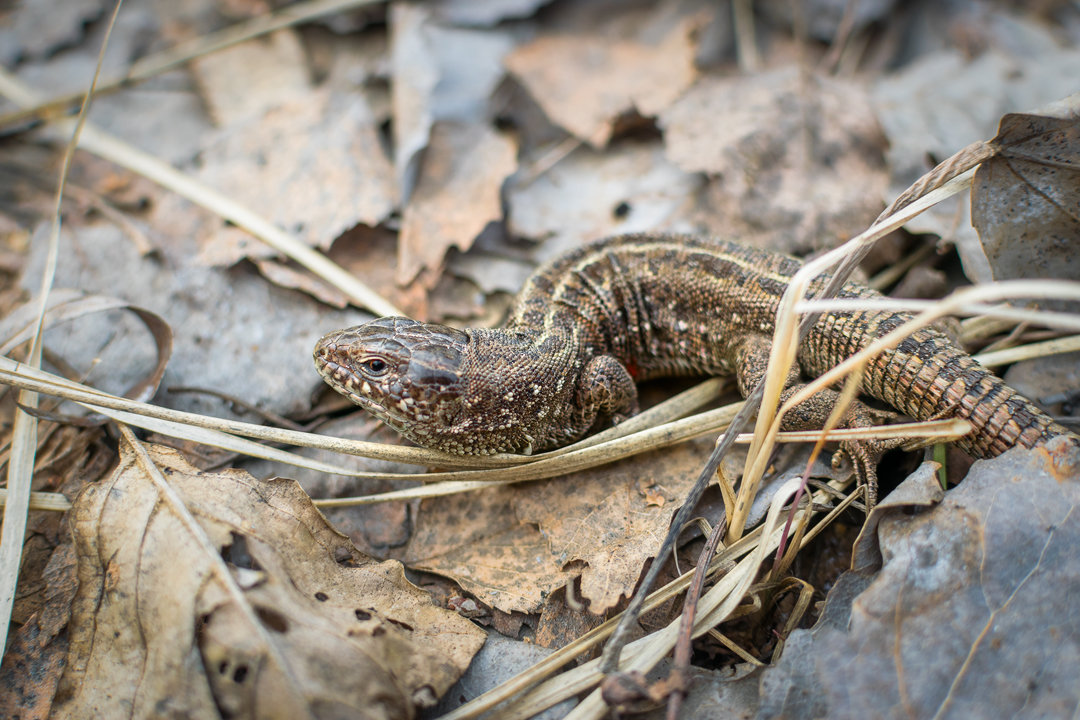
{"x": 590, "y": 323}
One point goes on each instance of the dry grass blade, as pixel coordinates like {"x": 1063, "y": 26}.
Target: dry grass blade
{"x": 166, "y": 60}
{"x": 452, "y": 483}
{"x": 954, "y": 303}
{"x": 54, "y": 502}
{"x": 1011, "y": 355}
{"x": 117, "y": 151}
{"x": 24, "y": 433}
{"x": 20, "y": 376}
{"x": 1063, "y": 289}
{"x": 175, "y": 504}
{"x": 715, "y": 605}
{"x": 786, "y": 338}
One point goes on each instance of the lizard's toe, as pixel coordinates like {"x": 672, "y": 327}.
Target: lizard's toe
{"x": 865, "y": 456}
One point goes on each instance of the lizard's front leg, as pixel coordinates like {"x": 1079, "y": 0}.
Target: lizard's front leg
{"x": 752, "y": 359}
{"x": 605, "y": 389}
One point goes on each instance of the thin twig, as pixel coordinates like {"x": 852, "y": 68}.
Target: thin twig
{"x": 686, "y": 623}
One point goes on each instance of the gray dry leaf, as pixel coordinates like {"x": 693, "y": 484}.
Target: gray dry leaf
{"x": 40, "y": 29}
{"x": 629, "y": 187}
{"x": 796, "y": 158}
{"x": 314, "y": 166}
{"x": 944, "y": 101}
{"x": 439, "y": 74}
{"x": 155, "y": 631}
{"x": 973, "y": 614}
{"x": 1025, "y": 199}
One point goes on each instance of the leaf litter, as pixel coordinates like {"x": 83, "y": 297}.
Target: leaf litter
{"x": 462, "y": 133}
{"x": 150, "y": 603}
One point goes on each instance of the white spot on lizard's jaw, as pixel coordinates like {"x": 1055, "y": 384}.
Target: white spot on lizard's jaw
{"x": 365, "y": 388}
{"x": 403, "y": 406}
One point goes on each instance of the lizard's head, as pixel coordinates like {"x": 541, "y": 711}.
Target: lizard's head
{"x": 405, "y": 372}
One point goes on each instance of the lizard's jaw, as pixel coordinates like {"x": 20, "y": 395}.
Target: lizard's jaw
{"x": 360, "y": 391}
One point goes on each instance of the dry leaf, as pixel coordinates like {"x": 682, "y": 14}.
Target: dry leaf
{"x": 321, "y": 169}
{"x": 630, "y": 187}
{"x": 797, "y": 158}
{"x": 370, "y": 254}
{"x": 971, "y": 615}
{"x": 42, "y": 29}
{"x": 457, "y": 195}
{"x": 945, "y": 100}
{"x": 34, "y": 658}
{"x": 600, "y": 522}
{"x": 513, "y": 546}
{"x": 439, "y": 74}
{"x": 1025, "y": 199}
{"x": 155, "y": 630}
{"x": 477, "y": 540}
{"x": 585, "y": 83}
{"x": 242, "y": 82}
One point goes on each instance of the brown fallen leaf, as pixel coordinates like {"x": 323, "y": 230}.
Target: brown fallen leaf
{"x": 1025, "y": 199}
{"x": 477, "y": 540}
{"x": 586, "y": 82}
{"x": 369, "y": 254}
{"x": 241, "y": 601}
{"x": 246, "y": 80}
{"x": 457, "y": 195}
{"x": 600, "y": 521}
{"x": 653, "y": 495}
{"x": 513, "y": 547}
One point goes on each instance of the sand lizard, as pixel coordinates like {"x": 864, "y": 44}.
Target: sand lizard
{"x": 591, "y": 323}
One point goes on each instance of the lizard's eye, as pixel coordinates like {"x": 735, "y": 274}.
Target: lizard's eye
{"x": 375, "y": 366}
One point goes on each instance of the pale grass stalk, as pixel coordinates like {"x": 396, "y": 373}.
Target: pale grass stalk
{"x": 24, "y": 433}
{"x": 109, "y": 147}
{"x": 453, "y": 483}
{"x": 219, "y": 432}
{"x": 55, "y": 502}
{"x": 1022, "y": 289}
{"x": 1008, "y": 289}
{"x": 1007, "y": 356}
{"x": 785, "y": 339}
{"x": 735, "y": 648}
{"x": 24, "y": 377}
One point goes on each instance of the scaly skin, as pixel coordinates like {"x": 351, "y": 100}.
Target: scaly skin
{"x": 591, "y": 323}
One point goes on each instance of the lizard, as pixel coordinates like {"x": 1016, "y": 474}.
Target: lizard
{"x": 590, "y": 324}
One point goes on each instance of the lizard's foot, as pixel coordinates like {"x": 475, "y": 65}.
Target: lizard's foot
{"x": 865, "y": 456}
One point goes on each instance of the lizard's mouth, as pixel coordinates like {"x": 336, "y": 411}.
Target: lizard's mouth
{"x": 352, "y": 385}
